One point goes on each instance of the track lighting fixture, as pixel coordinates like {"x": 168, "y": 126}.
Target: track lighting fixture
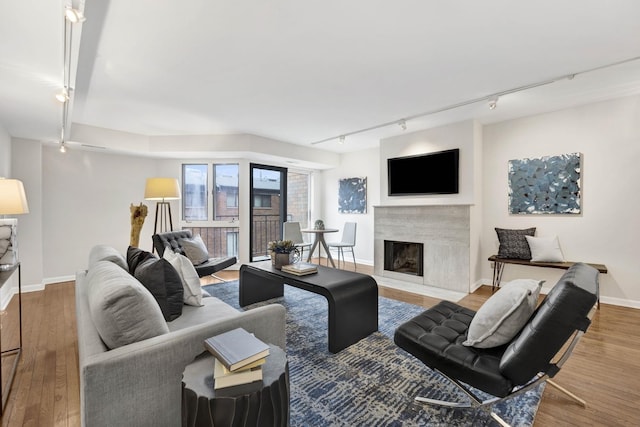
{"x": 493, "y": 102}
{"x": 74, "y": 15}
{"x": 63, "y": 147}
{"x": 63, "y": 95}
{"x": 341, "y": 140}
{"x": 403, "y": 124}
{"x": 492, "y": 98}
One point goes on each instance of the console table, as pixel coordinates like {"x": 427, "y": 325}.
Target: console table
{"x": 352, "y": 297}
{"x": 498, "y": 266}
{"x": 499, "y": 263}
{"x": 17, "y": 351}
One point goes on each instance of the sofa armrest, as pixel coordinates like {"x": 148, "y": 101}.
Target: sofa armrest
{"x": 141, "y": 382}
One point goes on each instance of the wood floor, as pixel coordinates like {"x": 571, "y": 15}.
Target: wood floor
{"x": 604, "y": 369}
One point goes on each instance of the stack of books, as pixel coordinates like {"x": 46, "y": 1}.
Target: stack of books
{"x": 239, "y": 357}
{"x": 300, "y": 268}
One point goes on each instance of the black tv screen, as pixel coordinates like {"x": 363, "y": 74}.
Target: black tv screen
{"x": 431, "y": 173}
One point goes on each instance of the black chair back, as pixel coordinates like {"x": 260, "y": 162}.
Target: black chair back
{"x": 564, "y": 311}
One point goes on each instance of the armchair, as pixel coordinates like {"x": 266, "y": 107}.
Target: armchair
{"x": 171, "y": 240}
{"x": 535, "y": 355}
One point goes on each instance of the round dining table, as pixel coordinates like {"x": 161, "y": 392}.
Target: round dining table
{"x": 319, "y": 240}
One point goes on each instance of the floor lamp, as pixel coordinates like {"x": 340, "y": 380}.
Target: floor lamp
{"x": 161, "y": 190}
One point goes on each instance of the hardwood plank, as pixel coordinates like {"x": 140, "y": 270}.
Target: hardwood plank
{"x": 604, "y": 369}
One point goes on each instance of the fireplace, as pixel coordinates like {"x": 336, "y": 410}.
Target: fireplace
{"x": 403, "y": 257}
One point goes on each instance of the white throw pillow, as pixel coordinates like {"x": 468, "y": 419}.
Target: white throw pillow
{"x": 545, "y": 249}
{"x": 189, "y": 276}
{"x": 195, "y": 249}
{"x": 503, "y": 315}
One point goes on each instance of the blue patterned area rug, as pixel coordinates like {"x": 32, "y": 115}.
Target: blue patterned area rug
{"x": 373, "y": 382}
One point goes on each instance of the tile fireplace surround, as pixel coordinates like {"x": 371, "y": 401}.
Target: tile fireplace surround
{"x": 445, "y": 233}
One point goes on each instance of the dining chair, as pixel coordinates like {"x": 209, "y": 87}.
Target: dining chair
{"x": 348, "y": 241}
{"x": 291, "y": 231}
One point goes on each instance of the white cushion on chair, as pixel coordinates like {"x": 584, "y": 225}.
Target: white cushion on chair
{"x": 503, "y": 315}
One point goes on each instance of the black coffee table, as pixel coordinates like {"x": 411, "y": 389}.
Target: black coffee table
{"x": 352, "y": 297}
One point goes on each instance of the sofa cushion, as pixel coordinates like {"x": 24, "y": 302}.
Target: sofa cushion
{"x": 164, "y": 283}
{"x": 503, "y": 315}
{"x": 195, "y": 249}
{"x": 212, "y": 310}
{"x": 513, "y": 244}
{"x": 123, "y": 311}
{"x": 188, "y": 275}
{"x": 106, "y": 253}
{"x": 136, "y": 256}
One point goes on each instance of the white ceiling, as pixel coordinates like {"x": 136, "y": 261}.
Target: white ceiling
{"x": 302, "y": 72}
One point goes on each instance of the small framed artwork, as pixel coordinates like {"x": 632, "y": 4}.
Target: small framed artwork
{"x": 352, "y": 195}
{"x": 546, "y": 185}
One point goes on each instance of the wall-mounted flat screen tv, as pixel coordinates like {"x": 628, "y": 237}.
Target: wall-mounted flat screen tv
{"x": 430, "y": 173}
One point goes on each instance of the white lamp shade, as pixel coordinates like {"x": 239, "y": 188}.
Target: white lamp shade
{"x": 12, "y": 198}
{"x": 162, "y": 189}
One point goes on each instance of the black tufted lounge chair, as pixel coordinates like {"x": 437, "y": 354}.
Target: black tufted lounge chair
{"x": 535, "y": 355}
{"x": 171, "y": 239}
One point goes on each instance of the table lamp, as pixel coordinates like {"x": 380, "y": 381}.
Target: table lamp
{"x": 161, "y": 190}
{"x": 13, "y": 201}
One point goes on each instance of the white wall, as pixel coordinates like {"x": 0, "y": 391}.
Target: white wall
{"x": 359, "y": 164}
{"x": 5, "y": 152}
{"x": 86, "y": 201}
{"x": 458, "y": 135}
{"x": 607, "y": 232}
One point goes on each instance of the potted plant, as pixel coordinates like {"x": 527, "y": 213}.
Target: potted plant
{"x": 282, "y": 252}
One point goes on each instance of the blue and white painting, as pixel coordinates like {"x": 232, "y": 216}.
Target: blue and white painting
{"x": 352, "y": 195}
{"x": 546, "y": 185}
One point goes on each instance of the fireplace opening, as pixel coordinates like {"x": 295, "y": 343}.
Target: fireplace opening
{"x": 403, "y": 257}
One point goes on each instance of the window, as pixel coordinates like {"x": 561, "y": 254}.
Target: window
{"x": 262, "y": 201}
{"x": 194, "y": 192}
{"x": 225, "y": 191}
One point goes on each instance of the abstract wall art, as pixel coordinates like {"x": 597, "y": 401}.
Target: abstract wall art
{"x": 352, "y": 195}
{"x": 546, "y": 185}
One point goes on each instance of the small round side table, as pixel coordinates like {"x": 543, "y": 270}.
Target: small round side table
{"x": 246, "y": 405}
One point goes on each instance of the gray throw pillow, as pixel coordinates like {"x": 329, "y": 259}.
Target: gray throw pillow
{"x": 513, "y": 243}
{"x": 195, "y": 249}
{"x": 123, "y": 311}
{"x": 503, "y": 315}
{"x": 164, "y": 283}
{"x": 106, "y": 253}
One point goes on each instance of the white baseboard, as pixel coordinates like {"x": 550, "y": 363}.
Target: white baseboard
{"x": 603, "y": 299}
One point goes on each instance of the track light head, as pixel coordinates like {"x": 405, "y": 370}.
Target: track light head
{"x": 74, "y": 15}
{"x": 403, "y": 124}
{"x": 341, "y": 140}
{"x": 493, "y": 102}
{"x": 63, "y": 147}
{"x": 63, "y": 95}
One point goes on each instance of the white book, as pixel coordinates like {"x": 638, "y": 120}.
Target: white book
{"x": 224, "y": 378}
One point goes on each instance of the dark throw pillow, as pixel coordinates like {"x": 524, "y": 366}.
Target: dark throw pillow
{"x": 136, "y": 256}
{"x": 164, "y": 283}
{"x": 513, "y": 243}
